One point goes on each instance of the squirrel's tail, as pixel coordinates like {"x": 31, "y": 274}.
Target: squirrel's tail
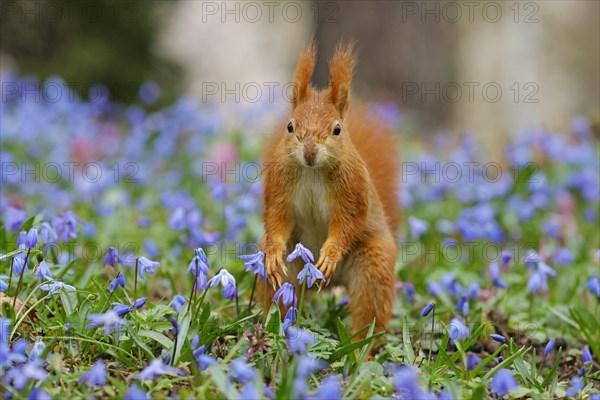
{"x": 377, "y": 146}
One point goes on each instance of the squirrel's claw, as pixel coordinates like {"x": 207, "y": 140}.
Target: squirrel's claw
{"x": 327, "y": 267}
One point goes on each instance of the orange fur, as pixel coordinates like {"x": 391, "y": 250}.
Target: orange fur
{"x": 344, "y": 206}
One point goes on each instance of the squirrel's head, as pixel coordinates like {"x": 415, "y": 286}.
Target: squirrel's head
{"x": 316, "y": 134}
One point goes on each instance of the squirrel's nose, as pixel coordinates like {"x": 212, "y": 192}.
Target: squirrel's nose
{"x": 310, "y": 152}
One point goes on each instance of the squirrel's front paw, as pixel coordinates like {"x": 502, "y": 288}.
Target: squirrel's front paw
{"x": 273, "y": 263}
{"x": 328, "y": 260}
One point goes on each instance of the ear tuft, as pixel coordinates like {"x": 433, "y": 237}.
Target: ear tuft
{"x": 304, "y": 70}
{"x": 341, "y": 68}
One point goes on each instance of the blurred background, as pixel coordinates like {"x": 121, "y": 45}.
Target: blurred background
{"x": 490, "y": 67}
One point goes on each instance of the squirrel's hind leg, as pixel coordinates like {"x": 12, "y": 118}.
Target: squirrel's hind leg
{"x": 370, "y": 283}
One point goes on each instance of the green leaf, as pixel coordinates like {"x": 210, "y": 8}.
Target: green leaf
{"x": 469, "y": 342}
{"x": 507, "y": 361}
{"x": 343, "y": 350}
{"x": 140, "y": 343}
{"x": 563, "y": 317}
{"x": 408, "y": 349}
{"x": 184, "y": 326}
{"x": 12, "y": 253}
{"x": 554, "y": 368}
{"x": 222, "y": 382}
{"x": 67, "y": 302}
{"x": 157, "y": 337}
{"x": 274, "y": 322}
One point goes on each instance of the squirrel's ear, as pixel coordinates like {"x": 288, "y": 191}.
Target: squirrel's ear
{"x": 341, "y": 67}
{"x": 304, "y": 70}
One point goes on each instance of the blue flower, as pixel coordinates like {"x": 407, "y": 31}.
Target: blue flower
{"x": 38, "y": 394}
{"x": 118, "y": 281}
{"x": 242, "y": 371}
{"x": 562, "y": 256}
{"x": 95, "y": 376}
{"x": 20, "y": 262}
{"x": 227, "y": 281}
{"x": 43, "y": 271}
{"x": 473, "y": 291}
{"x": 306, "y": 366}
{"x": 157, "y": 368}
{"x": 576, "y": 386}
{"x": 135, "y": 393}
{"x": 48, "y": 234}
{"x": 409, "y": 291}
{"x": 177, "y": 220}
{"x": 66, "y": 225}
{"x": 462, "y": 300}
{"x": 146, "y": 266}
{"x": 498, "y": 338}
{"x": 287, "y": 294}
{"x": 406, "y": 384}
{"x": 503, "y": 382}
{"x": 249, "y": 391}
{"x": 32, "y": 238}
{"x": 198, "y": 265}
{"x": 458, "y": 330}
{"x": 255, "y": 263}
{"x": 151, "y": 248}
{"x": 14, "y": 218}
{"x": 122, "y": 309}
{"x": 22, "y": 240}
{"x": 199, "y": 268}
{"x": 149, "y": 92}
{"x": 505, "y": 258}
{"x": 112, "y": 257}
{"x": 19, "y": 376}
{"x": 301, "y": 251}
{"x": 417, "y": 226}
{"x": 549, "y": 346}
{"x": 531, "y": 259}
{"x": 586, "y": 356}
{"x": 445, "y": 395}
{"x": 54, "y": 286}
{"x": 298, "y": 339}
{"x": 37, "y": 350}
{"x": 204, "y": 361}
{"x": 109, "y": 319}
{"x": 330, "y": 389}
{"x": 427, "y": 309}
{"x": 593, "y": 286}
{"x": 311, "y": 274}
{"x": 290, "y": 318}
{"x": 495, "y": 275}
{"x": 175, "y": 325}
{"x": 538, "y": 280}
{"x": 472, "y": 361}
{"x": 178, "y": 302}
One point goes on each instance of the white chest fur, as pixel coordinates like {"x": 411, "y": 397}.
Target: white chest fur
{"x": 311, "y": 211}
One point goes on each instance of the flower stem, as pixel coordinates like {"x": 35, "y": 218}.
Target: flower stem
{"x": 432, "y": 330}
{"x": 135, "y": 279}
{"x": 252, "y": 295}
{"x": 174, "y": 350}
{"x": 194, "y": 286}
{"x": 107, "y": 300}
{"x": 12, "y": 260}
{"x": 197, "y": 309}
{"x": 20, "y": 279}
{"x": 301, "y": 301}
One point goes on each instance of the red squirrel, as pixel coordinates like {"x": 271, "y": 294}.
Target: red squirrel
{"x": 331, "y": 184}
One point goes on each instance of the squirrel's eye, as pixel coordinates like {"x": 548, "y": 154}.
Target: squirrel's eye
{"x": 337, "y": 129}
{"x": 290, "y": 127}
